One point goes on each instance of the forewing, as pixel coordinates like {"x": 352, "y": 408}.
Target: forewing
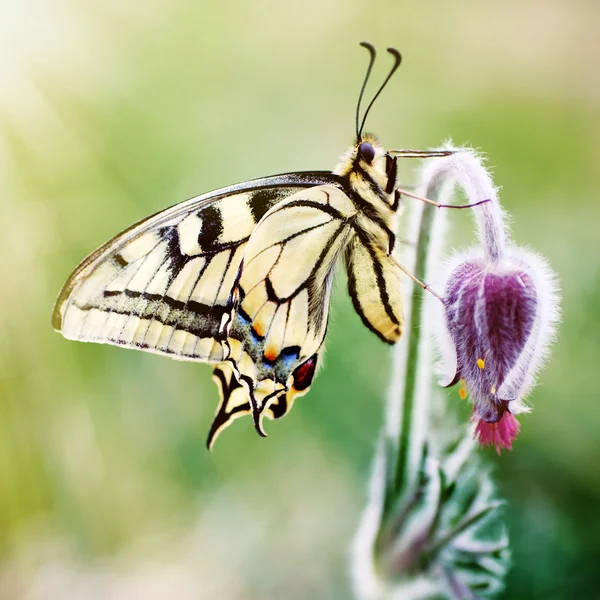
{"x": 165, "y": 284}
{"x": 375, "y": 288}
{"x": 282, "y": 297}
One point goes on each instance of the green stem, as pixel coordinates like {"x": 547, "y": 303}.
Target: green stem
{"x": 408, "y": 451}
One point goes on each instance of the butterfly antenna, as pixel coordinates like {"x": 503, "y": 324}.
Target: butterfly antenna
{"x": 373, "y": 54}
{"x": 397, "y": 60}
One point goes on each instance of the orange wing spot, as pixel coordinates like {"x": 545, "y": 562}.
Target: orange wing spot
{"x": 258, "y": 330}
{"x": 271, "y": 354}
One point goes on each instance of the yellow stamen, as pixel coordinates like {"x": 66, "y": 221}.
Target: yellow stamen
{"x": 462, "y": 393}
{"x": 481, "y": 363}
{"x": 493, "y": 390}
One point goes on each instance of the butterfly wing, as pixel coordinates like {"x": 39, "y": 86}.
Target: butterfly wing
{"x": 374, "y": 284}
{"x": 234, "y": 401}
{"x": 164, "y": 285}
{"x": 282, "y": 298}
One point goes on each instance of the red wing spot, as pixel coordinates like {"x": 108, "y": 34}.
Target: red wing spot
{"x": 304, "y": 374}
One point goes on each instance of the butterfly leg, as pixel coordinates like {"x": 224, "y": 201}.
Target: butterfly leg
{"x": 424, "y": 285}
{"x": 408, "y": 153}
{"x": 402, "y": 192}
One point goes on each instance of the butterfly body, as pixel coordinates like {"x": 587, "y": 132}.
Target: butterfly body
{"x": 241, "y": 277}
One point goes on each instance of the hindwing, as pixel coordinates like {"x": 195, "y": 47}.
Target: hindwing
{"x": 282, "y": 296}
{"x": 234, "y": 401}
{"x": 375, "y": 286}
{"x": 165, "y": 284}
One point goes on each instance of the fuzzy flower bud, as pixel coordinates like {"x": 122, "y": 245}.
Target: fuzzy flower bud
{"x": 500, "y": 307}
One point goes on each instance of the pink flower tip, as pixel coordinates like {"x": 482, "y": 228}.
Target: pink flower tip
{"x": 500, "y": 434}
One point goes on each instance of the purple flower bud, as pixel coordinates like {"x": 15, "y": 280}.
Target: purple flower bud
{"x": 498, "y": 318}
{"x": 489, "y": 317}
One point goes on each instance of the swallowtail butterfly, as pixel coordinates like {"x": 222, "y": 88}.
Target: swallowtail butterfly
{"x": 241, "y": 277}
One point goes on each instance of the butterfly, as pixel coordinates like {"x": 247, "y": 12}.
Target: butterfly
{"x": 241, "y": 277}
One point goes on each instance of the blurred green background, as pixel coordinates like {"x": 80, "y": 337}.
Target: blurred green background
{"x": 110, "y": 111}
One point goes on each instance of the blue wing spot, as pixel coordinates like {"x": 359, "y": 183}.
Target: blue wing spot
{"x": 289, "y": 357}
{"x": 243, "y": 318}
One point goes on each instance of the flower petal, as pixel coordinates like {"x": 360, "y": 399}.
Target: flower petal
{"x": 500, "y": 434}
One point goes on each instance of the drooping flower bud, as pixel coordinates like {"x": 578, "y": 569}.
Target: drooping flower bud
{"x": 490, "y": 316}
{"x": 500, "y": 307}
{"x": 499, "y": 317}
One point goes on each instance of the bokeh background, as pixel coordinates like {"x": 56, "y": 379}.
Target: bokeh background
{"x": 112, "y": 110}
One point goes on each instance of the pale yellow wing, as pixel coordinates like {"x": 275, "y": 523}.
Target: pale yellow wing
{"x": 165, "y": 284}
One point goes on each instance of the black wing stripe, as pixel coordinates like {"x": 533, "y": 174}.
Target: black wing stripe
{"x": 282, "y": 243}
{"x": 186, "y": 304}
{"x": 212, "y": 228}
{"x": 383, "y": 292}
{"x": 272, "y": 295}
{"x": 356, "y": 303}
{"x": 261, "y": 201}
{"x": 364, "y": 305}
{"x": 326, "y": 208}
{"x": 170, "y": 312}
{"x": 381, "y": 284}
{"x": 135, "y": 308}
{"x": 163, "y": 306}
{"x": 120, "y": 298}
{"x": 143, "y": 302}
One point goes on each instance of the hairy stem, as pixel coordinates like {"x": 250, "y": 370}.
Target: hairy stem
{"x": 408, "y": 452}
{"x": 413, "y": 368}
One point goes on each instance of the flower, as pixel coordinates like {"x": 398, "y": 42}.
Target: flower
{"x": 499, "y": 319}
{"x": 500, "y": 306}
{"x": 500, "y": 434}
{"x": 494, "y": 316}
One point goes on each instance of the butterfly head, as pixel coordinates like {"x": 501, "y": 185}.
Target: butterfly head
{"x": 369, "y": 170}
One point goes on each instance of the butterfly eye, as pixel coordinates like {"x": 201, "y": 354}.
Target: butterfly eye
{"x": 367, "y": 152}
